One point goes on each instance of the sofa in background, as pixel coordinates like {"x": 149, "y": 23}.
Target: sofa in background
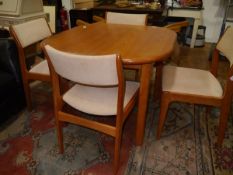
{"x": 11, "y": 90}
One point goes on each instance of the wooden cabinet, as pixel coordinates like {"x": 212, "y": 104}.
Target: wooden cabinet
{"x": 20, "y": 7}
{"x": 17, "y": 11}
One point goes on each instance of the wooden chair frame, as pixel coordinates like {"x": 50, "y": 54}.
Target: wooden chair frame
{"x": 27, "y": 76}
{"x": 223, "y": 103}
{"x": 122, "y": 112}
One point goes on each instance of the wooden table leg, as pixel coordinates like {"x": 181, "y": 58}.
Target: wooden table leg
{"x": 146, "y": 70}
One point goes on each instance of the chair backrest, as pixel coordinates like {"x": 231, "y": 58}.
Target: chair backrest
{"x": 225, "y": 44}
{"x": 31, "y": 32}
{"x": 89, "y": 70}
{"x": 124, "y": 18}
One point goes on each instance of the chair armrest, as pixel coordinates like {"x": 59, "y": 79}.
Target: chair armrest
{"x": 98, "y": 18}
{"x": 80, "y": 22}
{"x": 177, "y": 26}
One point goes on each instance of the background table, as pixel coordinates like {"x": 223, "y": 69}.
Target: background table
{"x": 195, "y": 13}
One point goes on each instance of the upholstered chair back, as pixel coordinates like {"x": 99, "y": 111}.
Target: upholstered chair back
{"x": 225, "y": 44}
{"x": 90, "y": 70}
{"x": 124, "y": 18}
{"x": 31, "y": 32}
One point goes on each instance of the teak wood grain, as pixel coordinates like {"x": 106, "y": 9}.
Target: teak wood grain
{"x": 137, "y": 45}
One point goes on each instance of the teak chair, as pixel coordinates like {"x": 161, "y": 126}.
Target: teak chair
{"x": 200, "y": 86}
{"x": 99, "y": 89}
{"x": 26, "y": 35}
{"x": 125, "y": 18}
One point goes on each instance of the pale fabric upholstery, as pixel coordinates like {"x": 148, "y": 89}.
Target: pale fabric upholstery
{"x": 123, "y": 18}
{"x": 31, "y": 32}
{"x": 97, "y": 100}
{"x": 190, "y": 81}
{"x": 91, "y": 70}
{"x": 116, "y": 100}
{"x": 41, "y": 68}
{"x": 225, "y": 44}
{"x": 199, "y": 87}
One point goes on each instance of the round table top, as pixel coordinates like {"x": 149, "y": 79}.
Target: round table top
{"x": 135, "y": 44}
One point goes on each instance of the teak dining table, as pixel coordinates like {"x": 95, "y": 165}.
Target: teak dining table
{"x": 138, "y": 46}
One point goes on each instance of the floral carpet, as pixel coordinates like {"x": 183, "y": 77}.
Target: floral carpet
{"x": 28, "y": 144}
{"x": 187, "y": 147}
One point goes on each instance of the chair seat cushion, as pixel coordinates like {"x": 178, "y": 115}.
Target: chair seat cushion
{"x": 41, "y": 68}
{"x": 98, "y": 100}
{"x": 190, "y": 81}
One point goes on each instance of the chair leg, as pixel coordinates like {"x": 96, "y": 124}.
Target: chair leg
{"x": 158, "y": 82}
{"x": 60, "y": 136}
{"x": 117, "y": 152}
{"x": 162, "y": 115}
{"x": 223, "y": 123}
{"x": 137, "y": 74}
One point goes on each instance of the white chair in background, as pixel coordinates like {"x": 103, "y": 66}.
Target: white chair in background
{"x": 125, "y": 18}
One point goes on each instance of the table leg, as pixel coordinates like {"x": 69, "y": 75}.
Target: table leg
{"x": 194, "y": 34}
{"x": 146, "y": 70}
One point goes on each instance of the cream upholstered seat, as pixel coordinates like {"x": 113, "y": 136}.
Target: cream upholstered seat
{"x": 190, "y": 81}
{"x": 200, "y": 86}
{"x": 27, "y": 35}
{"x": 99, "y": 89}
{"x": 41, "y": 68}
{"x": 90, "y": 98}
{"x": 124, "y": 18}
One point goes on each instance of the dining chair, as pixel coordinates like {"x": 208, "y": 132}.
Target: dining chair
{"x": 27, "y": 35}
{"x": 200, "y": 86}
{"x": 125, "y": 18}
{"x": 99, "y": 89}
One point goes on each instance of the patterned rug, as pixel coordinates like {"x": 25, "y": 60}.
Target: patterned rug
{"x": 187, "y": 147}
{"x": 28, "y": 145}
